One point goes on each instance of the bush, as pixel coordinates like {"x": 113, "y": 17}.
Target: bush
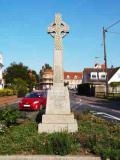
{"x": 24, "y": 139}
{"x": 9, "y": 116}
{"x": 6, "y": 92}
{"x": 62, "y": 143}
{"x": 98, "y": 136}
{"x": 22, "y": 92}
{"x": 21, "y": 87}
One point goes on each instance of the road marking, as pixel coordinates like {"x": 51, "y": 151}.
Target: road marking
{"x": 106, "y": 115}
{"x": 95, "y": 106}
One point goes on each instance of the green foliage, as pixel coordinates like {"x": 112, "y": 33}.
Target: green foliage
{"x": 24, "y": 139}
{"x": 6, "y": 92}
{"x": 61, "y": 143}
{"x": 22, "y": 92}
{"x": 47, "y": 66}
{"x": 95, "y": 136}
{"x": 9, "y": 116}
{"x": 16, "y": 71}
{"x": 99, "y": 136}
{"x": 114, "y": 84}
{"x": 21, "y": 87}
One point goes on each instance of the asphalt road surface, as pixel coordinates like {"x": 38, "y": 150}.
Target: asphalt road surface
{"x": 100, "y": 107}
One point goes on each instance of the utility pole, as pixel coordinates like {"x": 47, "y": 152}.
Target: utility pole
{"x": 105, "y": 54}
{"x": 105, "y": 59}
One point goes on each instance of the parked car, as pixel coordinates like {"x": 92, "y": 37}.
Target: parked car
{"x": 35, "y": 100}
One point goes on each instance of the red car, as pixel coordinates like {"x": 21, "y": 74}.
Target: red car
{"x": 34, "y": 101}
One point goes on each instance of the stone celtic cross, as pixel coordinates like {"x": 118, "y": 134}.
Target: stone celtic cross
{"x": 58, "y": 116}
{"x": 58, "y": 30}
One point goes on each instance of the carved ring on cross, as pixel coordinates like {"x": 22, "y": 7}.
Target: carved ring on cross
{"x": 64, "y": 29}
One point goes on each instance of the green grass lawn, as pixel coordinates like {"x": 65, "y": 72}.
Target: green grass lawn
{"x": 95, "y": 136}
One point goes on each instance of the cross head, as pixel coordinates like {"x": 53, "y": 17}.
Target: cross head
{"x": 58, "y": 30}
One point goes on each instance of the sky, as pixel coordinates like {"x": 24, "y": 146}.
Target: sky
{"x": 24, "y": 38}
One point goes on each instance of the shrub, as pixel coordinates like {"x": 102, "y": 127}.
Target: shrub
{"x": 62, "y": 143}
{"x": 99, "y": 136}
{"x": 6, "y": 92}
{"x": 22, "y": 92}
{"x": 9, "y": 116}
{"x": 21, "y": 87}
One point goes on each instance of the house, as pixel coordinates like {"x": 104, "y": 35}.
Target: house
{"x": 96, "y": 76}
{"x": 71, "y": 79}
{"x": 114, "y": 77}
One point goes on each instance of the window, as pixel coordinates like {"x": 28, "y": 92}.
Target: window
{"x": 68, "y": 77}
{"x": 75, "y": 77}
{"x": 102, "y": 75}
{"x": 94, "y": 76}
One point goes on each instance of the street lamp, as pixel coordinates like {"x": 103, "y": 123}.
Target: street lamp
{"x": 105, "y": 55}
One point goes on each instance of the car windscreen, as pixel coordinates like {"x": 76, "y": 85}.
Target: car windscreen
{"x": 36, "y": 95}
{"x": 32, "y": 95}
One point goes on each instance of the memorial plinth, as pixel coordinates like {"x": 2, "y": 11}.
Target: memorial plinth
{"x": 58, "y": 116}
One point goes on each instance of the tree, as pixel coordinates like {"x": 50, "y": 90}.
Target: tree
{"x": 16, "y": 71}
{"x": 34, "y": 79}
{"x": 47, "y": 66}
{"x": 21, "y": 87}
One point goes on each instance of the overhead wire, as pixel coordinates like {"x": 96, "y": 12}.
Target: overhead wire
{"x": 118, "y": 33}
{"x": 113, "y": 24}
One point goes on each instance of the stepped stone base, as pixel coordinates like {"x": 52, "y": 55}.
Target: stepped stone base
{"x": 58, "y": 123}
{"x": 58, "y": 117}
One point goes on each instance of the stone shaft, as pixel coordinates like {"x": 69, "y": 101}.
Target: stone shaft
{"x": 58, "y": 67}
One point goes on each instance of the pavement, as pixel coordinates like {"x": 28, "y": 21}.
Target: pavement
{"x": 8, "y": 100}
{"x": 42, "y": 157}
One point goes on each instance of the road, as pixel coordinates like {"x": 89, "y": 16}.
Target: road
{"x": 100, "y": 107}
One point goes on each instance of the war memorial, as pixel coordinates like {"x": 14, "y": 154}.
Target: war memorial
{"x": 58, "y": 116}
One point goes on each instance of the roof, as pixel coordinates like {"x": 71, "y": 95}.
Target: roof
{"x": 73, "y": 74}
{"x": 86, "y": 74}
{"x": 111, "y": 72}
{"x": 89, "y": 70}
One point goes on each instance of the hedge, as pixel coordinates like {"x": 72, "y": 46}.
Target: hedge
{"x": 6, "y": 92}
